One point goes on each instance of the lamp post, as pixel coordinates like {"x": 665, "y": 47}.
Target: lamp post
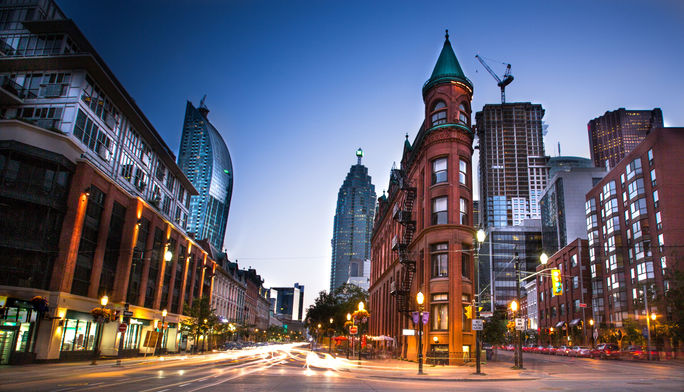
{"x": 516, "y": 355}
{"x": 100, "y": 323}
{"x": 330, "y": 337}
{"x": 655, "y": 332}
{"x": 318, "y": 333}
{"x": 206, "y": 326}
{"x": 593, "y": 342}
{"x": 419, "y": 300}
{"x": 160, "y": 346}
{"x": 361, "y": 307}
{"x": 348, "y": 335}
{"x": 479, "y": 237}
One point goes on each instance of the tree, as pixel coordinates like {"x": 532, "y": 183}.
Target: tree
{"x": 201, "y": 318}
{"x": 344, "y": 299}
{"x": 632, "y": 333}
{"x": 495, "y": 328}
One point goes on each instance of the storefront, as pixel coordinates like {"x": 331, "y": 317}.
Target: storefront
{"x": 132, "y": 338}
{"x": 17, "y": 330}
{"x": 78, "y": 337}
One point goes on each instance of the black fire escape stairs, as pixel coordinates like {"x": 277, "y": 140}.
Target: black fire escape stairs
{"x": 403, "y": 213}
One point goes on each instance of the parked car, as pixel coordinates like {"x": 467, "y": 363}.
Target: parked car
{"x": 638, "y": 352}
{"x": 580, "y": 351}
{"x": 606, "y": 351}
{"x": 562, "y": 350}
{"x": 539, "y": 349}
{"x": 548, "y": 349}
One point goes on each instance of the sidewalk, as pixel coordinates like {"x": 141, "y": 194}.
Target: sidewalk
{"x": 394, "y": 369}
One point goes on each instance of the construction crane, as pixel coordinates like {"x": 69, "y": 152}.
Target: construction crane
{"x": 507, "y": 77}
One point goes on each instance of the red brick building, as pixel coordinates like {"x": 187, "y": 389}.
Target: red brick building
{"x": 423, "y": 233}
{"x": 635, "y": 225}
{"x": 568, "y": 314}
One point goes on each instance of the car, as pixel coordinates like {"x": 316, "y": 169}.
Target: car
{"x": 580, "y": 351}
{"x": 538, "y": 349}
{"x": 606, "y": 351}
{"x": 639, "y": 352}
{"x": 562, "y": 350}
{"x": 548, "y": 349}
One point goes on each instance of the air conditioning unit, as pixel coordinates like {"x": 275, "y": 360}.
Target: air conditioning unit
{"x": 104, "y": 153}
{"x": 395, "y": 242}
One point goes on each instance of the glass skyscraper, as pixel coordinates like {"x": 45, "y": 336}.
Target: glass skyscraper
{"x": 205, "y": 160}
{"x": 353, "y": 223}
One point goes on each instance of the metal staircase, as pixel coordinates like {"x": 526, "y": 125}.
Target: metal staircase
{"x": 403, "y": 213}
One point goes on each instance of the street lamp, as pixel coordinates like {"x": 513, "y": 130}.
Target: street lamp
{"x": 591, "y": 322}
{"x": 480, "y": 237}
{"x": 419, "y": 300}
{"x": 160, "y": 340}
{"x": 100, "y": 322}
{"x": 655, "y": 332}
{"x": 514, "y": 309}
{"x": 348, "y": 334}
{"x": 330, "y": 337}
{"x": 362, "y": 307}
{"x": 543, "y": 258}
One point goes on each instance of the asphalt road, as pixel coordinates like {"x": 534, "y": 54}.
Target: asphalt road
{"x": 288, "y": 368}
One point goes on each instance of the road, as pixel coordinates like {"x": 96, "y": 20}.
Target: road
{"x": 293, "y": 368}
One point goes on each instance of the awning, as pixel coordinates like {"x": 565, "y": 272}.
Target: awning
{"x": 574, "y": 322}
{"x": 560, "y": 324}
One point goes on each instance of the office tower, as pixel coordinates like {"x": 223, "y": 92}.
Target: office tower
{"x": 353, "y": 222}
{"x": 616, "y": 133}
{"x": 562, "y": 203}
{"x": 513, "y": 167}
{"x": 289, "y": 302}
{"x": 423, "y": 234}
{"x": 205, "y": 159}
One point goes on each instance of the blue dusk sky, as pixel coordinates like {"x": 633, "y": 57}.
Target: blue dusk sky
{"x": 295, "y": 87}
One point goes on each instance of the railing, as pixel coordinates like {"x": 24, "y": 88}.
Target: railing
{"x": 13, "y": 87}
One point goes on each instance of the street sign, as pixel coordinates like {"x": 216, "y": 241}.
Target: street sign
{"x": 486, "y": 314}
{"x": 408, "y": 332}
{"x": 122, "y": 327}
{"x": 583, "y": 305}
{"x": 353, "y": 330}
{"x": 519, "y": 324}
{"x": 477, "y": 324}
{"x": 127, "y": 313}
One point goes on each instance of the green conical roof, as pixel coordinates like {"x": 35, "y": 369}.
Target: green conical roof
{"x": 447, "y": 68}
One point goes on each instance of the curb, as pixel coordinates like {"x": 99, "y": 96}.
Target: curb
{"x": 456, "y": 379}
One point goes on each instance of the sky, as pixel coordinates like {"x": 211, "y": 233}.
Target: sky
{"x": 295, "y": 87}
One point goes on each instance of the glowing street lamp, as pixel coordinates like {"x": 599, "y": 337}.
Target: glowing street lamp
{"x": 591, "y": 322}
{"x": 544, "y": 258}
{"x": 420, "y": 298}
{"x": 104, "y": 300}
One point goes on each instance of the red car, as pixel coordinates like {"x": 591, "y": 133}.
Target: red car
{"x": 548, "y": 349}
{"x": 606, "y": 351}
{"x": 562, "y": 350}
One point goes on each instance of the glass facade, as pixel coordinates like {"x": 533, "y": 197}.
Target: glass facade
{"x": 353, "y": 224}
{"x": 205, "y": 160}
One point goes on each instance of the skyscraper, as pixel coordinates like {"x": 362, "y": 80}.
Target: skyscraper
{"x": 616, "y": 133}
{"x": 205, "y": 159}
{"x": 353, "y": 223}
{"x": 513, "y": 167}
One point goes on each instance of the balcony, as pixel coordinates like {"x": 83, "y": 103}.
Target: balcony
{"x": 12, "y": 93}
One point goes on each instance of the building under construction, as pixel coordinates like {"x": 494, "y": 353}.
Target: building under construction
{"x": 513, "y": 166}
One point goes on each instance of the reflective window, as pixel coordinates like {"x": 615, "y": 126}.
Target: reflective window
{"x": 439, "y": 211}
{"x": 439, "y": 170}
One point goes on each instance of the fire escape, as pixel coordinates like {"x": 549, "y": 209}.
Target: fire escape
{"x": 403, "y": 213}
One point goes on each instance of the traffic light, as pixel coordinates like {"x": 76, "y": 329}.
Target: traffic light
{"x": 556, "y": 284}
{"x": 469, "y": 311}
{"x": 285, "y": 328}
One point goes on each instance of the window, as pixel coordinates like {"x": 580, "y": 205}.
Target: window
{"x": 653, "y": 178}
{"x": 633, "y": 168}
{"x": 462, "y": 114}
{"x": 465, "y": 263}
{"x": 636, "y": 188}
{"x": 659, "y": 221}
{"x": 561, "y": 310}
{"x": 440, "y": 316}
{"x": 440, "y": 297}
{"x": 439, "y": 115}
{"x": 650, "y": 157}
{"x": 462, "y": 172}
{"x": 576, "y": 306}
{"x": 439, "y": 170}
{"x": 439, "y": 255}
{"x": 655, "y": 199}
{"x": 464, "y": 211}
{"x": 609, "y": 190}
{"x": 573, "y": 261}
{"x": 575, "y": 282}
{"x": 638, "y": 207}
{"x": 439, "y": 211}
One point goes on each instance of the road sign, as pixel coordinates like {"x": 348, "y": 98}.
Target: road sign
{"x": 519, "y": 324}
{"x": 583, "y": 305}
{"x": 477, "y": 325}
{"x": 122, "y": 327}
{"x": 127, "y": 313}
{"x": 486, "y": 314}
{"x": 353, "y": 330}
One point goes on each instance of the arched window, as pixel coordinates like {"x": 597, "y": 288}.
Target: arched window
{"x": 439, "y": 113}
{"x": 462, "y": 114}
